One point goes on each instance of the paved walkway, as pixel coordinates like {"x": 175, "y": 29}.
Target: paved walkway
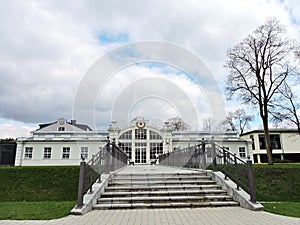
{"x": 177, "y": 216}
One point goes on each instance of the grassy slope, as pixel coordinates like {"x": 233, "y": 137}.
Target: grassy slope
{"x": 37, "y": 192}
{"x": 50, "y": 192}
{"x": 278, "y": 187}
{"x": 278, "y": 182}
{"x": 38, "y": 184}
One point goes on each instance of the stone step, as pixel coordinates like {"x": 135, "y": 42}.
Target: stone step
{"x": 156, "y": 178}
{"x": 162, "y": 193}
{"x": 166, "y": 205}
{"x": 159, "y": 182}
{"x": 162, "y": 188}
{"x": 164, "y": 199}
{"x": 128, "y": 175}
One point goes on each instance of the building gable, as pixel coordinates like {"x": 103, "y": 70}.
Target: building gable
{"x": 63, "y": 125}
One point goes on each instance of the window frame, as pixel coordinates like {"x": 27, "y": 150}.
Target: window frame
{"x": 28, "y": 153}
{"x": 140, "y": 134}
{"x": 66, "y": 153}
{"x": 84, "y": 152}
{"x": 274, "y": 141}
{"x": 61, "y": 129}
{"x": 47, "y": 152}
{"x": 126, "y": 135}
{"x": 242, "y": 152}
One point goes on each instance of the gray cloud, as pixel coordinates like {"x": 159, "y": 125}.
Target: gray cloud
{"x": 47, "y": 46}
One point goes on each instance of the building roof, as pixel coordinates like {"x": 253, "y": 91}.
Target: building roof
{"x": 72, "y": 122}
{"x": 272, "y": 130}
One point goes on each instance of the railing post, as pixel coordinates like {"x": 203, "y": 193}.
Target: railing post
{"x": 236, "y": 172}
{"x": 203, "y": 154}
{"x": 113, "y": 154}
{"x": 107, "y": 156}
{"x": 99, "y": 167}
{"x": 251, "y": 181}
{"x": 225, "y": 160}
{"x": 81, "y": 185}
{"x": 214, "y": 155}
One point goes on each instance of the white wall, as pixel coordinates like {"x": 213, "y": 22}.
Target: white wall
{"x": 56, "y": 152}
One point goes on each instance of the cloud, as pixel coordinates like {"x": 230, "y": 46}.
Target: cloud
{"x": 12, "y": 130}
{"x": 46, "y": 47}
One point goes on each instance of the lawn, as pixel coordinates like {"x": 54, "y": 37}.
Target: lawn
{"x": 278, "y": 187}
{"x": 283, "y": 208}
{"x": 37, "y": 193}
{"x": 34, "y": 184}
{"x": 42, "y": 193}
{"x": 35, "y": 210}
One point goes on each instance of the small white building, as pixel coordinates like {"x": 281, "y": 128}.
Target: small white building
{"x": 285, "y": 144}
{"x": 63, "y": 142}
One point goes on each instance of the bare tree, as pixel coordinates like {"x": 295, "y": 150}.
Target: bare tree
{"x": 285, "y": 109}
{"x": 241, "y": 119}
{"x": 208, "y": 124}
{"x": 228, "y": 124}
{"x": 178, "y": 124}
{"x": 257, "y": 67}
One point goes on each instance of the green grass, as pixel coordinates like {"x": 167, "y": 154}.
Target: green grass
{"x": 50, "y": 192}
{"x": 283, "y": 208}
{"x": 279, "y": 182}
{"x": 34, "y": 210}
{"x": 34, "y": 184}
{"x": 278, "y": 186}
{"x": 38, "y": 193}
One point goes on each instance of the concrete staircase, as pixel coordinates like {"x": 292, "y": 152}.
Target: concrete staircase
{"x": 162, "y": 189}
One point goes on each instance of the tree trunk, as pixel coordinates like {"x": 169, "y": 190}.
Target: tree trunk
{"x": 267, "y": 140}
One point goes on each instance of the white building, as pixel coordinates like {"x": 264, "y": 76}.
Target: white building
{"x": 285, "y": 144}
{"x": 63, "y": 143}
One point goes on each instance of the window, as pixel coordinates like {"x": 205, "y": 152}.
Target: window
{"x": 127, "y": 148}
{"x": 141, "y": 134}
{"x": 155, "y": 150}
{"x": 126, "y": 136}
{"x": 242, "y": 152}
{"x": 61, "y": 128}
{"x": 47, "y": 153}
{"x": 140, "y": 152}
{"x": 66, "y": 153}
{"x": 154, "y": 136}
{"x": 252, "y": 140}
{"x": 262, "y": 141}
{"x": 28, "y": 152}
{"x": 275, "y": 141}
{"x": 84, "y": 153}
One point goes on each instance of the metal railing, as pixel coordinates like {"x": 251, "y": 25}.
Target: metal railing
{"x": 109, "y": 158}
{"x": 209, "y": 153}
{"x": 239, "y": 171}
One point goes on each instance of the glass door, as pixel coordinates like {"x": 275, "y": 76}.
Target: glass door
{"x": 140, "y": 153}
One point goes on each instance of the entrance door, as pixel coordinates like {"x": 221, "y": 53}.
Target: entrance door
{"x": 140, "y": 153}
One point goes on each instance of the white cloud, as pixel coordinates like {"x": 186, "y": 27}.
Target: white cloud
{"x": 47, "y": 46}
{"x": 10, "y": 130}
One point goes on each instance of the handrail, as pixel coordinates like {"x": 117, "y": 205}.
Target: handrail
{"x": 238, "y": 170}
{"x": 109, "y": 158}
{"x": 207, "y": 153}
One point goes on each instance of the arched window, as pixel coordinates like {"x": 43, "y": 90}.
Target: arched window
{"x": 127, "y": 135}
{"x": 154, "y": 136}
{"x": 140, "y": 134}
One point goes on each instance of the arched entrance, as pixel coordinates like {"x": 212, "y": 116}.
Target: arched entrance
{"x": 142, "y": 143}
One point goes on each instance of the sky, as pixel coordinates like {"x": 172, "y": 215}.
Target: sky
{"x": 48, "y": 50}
